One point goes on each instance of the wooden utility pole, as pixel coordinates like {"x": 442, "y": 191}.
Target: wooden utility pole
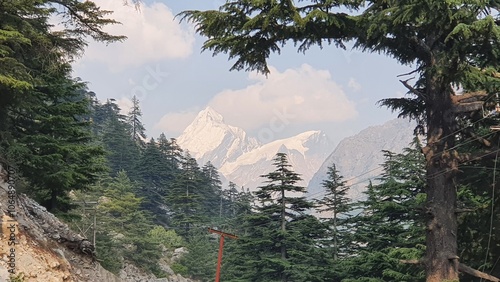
{"x": 221, "y": 247}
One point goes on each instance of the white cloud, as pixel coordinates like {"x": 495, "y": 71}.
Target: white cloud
{"x": 301, "y": 95}
{"x": 173, "y": 124}
{"x": 353, "y": 84}
{"x": 153, "y": 34}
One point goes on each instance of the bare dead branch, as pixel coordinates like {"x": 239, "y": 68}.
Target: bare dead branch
{"x": 471, "y": 271}
{"x": 467, "y": 107}
{"x": 411, "y": 88}
{"x": 480, "y": 139}
{"x": 472, "y": 96}
{"x": 464, "y": 210}
{"x": 411, "y": 261}
{"x": 462, "y": 268}
{"x": 469, "y": 157}
{"x": 408, "y": 73}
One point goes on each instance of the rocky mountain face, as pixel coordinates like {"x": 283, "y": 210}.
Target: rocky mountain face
{"x": 242, "y": 159}
{"x": 358, "y": 157}
{"x": 208, "y": 138}
{"x": 305, "y": 151}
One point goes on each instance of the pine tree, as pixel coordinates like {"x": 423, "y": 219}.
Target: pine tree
{"x": 42, "y": 112}
{"x": 171, "y": 150}
{"x": 29, "y": 49}
{"x": 126, "y": 224}
{"x": 137, "y": 129}
{"x": 123, "y": 153}
{"x": 185, "y": 200}
{"x": 42, "y": 125}
{"x": 280, "y": 237}
{"x": 336, "y": 210}
{"x": 201, "y": 258}
{"x": 231, "y": 195}
{"x": 448, "y": 43}
{"x": 212, "y": 191}
{"x": 172, "y": 153}
{"x": 390, "y": 228}
{"x": 57, "y": 139}
{"x": 155, "y": 174}
{"x": 102, "y": 114}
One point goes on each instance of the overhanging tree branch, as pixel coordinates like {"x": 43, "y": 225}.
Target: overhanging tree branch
{"x": 462, "y": 268}
{"x": 411, "y": 88}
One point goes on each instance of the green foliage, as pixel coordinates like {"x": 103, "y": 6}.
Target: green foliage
{"x": 137, "y": 129}
{"x": 278, "y": 241}
{"x": 58, "y": 142}
{"x": 249, "y": 31}
{"x": 108, "y": 252}
{"x": 127, "y": 227}
{"x": 390, "y": 227}
{"x": 122, "y": 150}
{"x": 167, "y": 238}
{"x": 201, "y": 259}
{"x": 450, "y": 44}
{"x": 42, "y": 108}
{"x": 335, "y": 209}
{"x": 20, "y": 277}
{"x": 185, "y": 199}
{"x": 179, "y": 269}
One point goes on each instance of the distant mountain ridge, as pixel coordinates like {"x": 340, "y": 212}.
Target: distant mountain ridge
{"x": 242, "y": 159}
{"x": 306, "y": 152}
{"x": 358, "y": 158}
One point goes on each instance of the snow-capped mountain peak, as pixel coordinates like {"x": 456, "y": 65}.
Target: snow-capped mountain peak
{"x": 208, "y": 138}
{"x": 209, "y": 115}
{"x": 306, "y": 152}
{"x": 242, "y": 159}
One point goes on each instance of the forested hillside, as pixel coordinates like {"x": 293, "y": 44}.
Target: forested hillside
{"x": 432, "y": 213}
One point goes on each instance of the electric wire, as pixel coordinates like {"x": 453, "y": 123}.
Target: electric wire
{"x": 465, "y": 142}
{"x": 461, "y": 129}
{"x": 492, "y": 209}
{"x": 445, "y": 171}
{"x": 313, "y": 196}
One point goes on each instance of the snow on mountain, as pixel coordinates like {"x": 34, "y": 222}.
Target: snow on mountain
{"x": 241, "y": 159}
{"x": 208, "y": 138}
{"x": 306, "y": 152}
{"x": 358, "y": 158}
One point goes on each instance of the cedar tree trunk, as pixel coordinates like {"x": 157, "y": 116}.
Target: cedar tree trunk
{"x": 441, "y": 254}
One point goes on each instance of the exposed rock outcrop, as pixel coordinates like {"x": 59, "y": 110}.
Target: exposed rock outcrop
{"x": 38, "y": 247}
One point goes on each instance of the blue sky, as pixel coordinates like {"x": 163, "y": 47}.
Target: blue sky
{"x": 161, "y": 63}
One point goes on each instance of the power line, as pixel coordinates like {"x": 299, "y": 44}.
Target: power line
{"x": 492, "y": 208}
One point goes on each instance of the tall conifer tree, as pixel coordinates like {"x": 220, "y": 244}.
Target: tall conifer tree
{"x": 137, "y": 130}
{"x": 335, "y": 209}
{"x": 280, "y": 237}
{"x": 448, "y": 44}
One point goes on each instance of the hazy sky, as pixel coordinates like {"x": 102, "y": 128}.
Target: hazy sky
{"x": 161, "y": 63}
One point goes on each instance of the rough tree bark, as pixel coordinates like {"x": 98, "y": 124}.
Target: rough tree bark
{"x": 441, "y": 253}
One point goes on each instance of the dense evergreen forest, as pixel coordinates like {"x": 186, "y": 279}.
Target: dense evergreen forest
{"x": 154, "y": 198}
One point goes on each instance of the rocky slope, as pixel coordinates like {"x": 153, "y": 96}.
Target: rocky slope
{"x": 39, "y": 248}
